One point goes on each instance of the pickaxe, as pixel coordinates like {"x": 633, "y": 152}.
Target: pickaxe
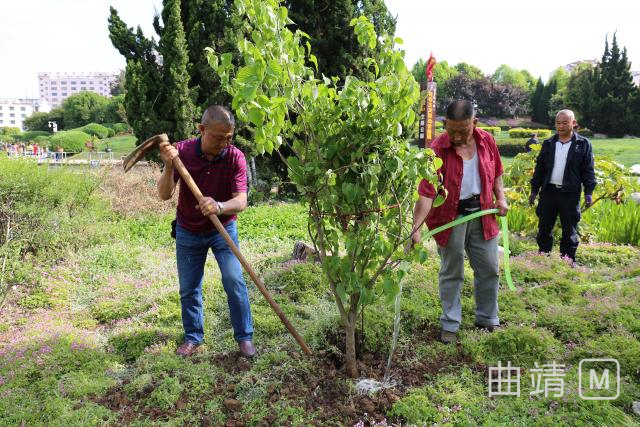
{"x": 153, "y": 143}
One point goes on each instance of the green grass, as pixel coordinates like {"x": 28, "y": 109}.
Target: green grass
{"x": 625, "y": 151}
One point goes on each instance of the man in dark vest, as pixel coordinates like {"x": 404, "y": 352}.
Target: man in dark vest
{"x": 564, "y": 168}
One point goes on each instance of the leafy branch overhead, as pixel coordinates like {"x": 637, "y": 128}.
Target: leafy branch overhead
{"x": 352, "y": 160}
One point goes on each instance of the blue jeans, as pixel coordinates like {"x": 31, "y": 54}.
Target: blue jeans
{"x": 191, "y": 253}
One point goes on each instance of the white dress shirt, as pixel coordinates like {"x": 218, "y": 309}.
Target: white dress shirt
{"x": 560, "y": 161}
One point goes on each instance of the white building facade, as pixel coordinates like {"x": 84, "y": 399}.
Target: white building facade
{"x": 13, "y": 111}
{"x": 56, "y": 87}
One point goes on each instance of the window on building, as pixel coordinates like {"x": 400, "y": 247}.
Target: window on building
{"x": 73, "y": 83}
{"x": 73, "y": 88}
{"x": 13, "y": 122}
{"x": 83, "y": 88}
{"x": 54, "y": 93}
{"x": 22, "y": 109}
{"x": 63, "y": 83}
{"x": 10, "y": 108}
{"x": 1, "y": 114}
{"x": 64, "y": 93}
{"x": 23, "y": 115}
{"x": 83, "y": 83}
{"x": 1, "y": 121}
{"x": 12, "y": 115}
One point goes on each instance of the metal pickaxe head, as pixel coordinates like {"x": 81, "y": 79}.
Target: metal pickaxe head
{"x": 141, "y": 150}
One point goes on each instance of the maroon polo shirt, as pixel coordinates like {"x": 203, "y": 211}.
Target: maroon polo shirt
{"x": 490, "y": 168}
{"x": 218, "y": 178}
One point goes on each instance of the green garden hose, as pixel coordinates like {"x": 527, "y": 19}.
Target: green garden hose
{"x": 505, "y": 237}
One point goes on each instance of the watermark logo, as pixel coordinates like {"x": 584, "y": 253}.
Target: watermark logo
{"x": 599, "y": 379}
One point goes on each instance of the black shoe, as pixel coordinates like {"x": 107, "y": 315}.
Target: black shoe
{"x": 489, "y": 328}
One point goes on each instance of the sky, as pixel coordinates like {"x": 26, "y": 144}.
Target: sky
{"x": 539, "y": 35}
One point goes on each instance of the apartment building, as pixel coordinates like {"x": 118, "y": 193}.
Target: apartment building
{"x": 56, "y": 87}
{"x": 13, "y": 111}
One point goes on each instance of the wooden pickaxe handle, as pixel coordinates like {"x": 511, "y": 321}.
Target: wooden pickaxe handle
{"x": 186, "y": 178}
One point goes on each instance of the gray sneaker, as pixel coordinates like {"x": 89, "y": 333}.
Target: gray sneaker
{"x": 448, "y": 337}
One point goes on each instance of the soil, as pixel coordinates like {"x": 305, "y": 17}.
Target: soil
{"x": 325, "y": 391}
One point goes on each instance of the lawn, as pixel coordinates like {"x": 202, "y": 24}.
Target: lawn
{"x": 90, "y": 326}
{"x": 625, "y": 151}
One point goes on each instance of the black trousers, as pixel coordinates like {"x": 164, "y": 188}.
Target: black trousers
{"x": 553, "y": 203}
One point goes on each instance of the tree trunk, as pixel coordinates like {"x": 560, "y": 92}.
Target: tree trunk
{"x": 350, "y": 353}
{"x": 254, "y": 174}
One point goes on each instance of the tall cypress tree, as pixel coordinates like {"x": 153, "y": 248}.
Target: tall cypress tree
{"x": 614, "y": 112}
{"x": 178, "y": 109}
{"x": 536, "y": 99}
{"x": 327, "y": 23}
{"x": 141, "y": 76}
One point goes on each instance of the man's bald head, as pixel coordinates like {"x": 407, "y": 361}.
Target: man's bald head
{"x": 218, "y": 114}
{"x": 567, "y": 113}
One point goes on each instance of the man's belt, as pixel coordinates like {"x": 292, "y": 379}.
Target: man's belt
{"x": 469, "y": 205}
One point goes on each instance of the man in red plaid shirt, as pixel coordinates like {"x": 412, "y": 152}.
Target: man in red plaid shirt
{"x": 472, "y": 172}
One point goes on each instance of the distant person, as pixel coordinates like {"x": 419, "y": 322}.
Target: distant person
{"x": 531, "y": 141}
{"x": 563, "y": 169}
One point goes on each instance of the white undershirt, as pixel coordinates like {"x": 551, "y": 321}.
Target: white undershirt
{"x": 470, "y": 177}
{"x": 560, "y": 161}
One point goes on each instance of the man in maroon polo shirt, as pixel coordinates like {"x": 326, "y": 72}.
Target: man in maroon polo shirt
{"x": 219, "y": 169}
{"x": 472, "y": 173}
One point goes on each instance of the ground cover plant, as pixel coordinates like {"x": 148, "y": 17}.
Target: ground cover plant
{"x": 89, "y": 328}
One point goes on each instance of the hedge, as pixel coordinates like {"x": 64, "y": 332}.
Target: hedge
{"x": 42, "y": 140}
{"x": 119, "y": 128}
{"x": 526, "y": 133}
{"x": 511, "y": 147}
{"x": 95, "y": 129}
{"x": 30, "y": 135}
{"x": 71, "y": 141}
{"x": 493, "y": 130}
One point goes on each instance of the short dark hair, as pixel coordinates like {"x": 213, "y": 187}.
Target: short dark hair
{"x": 461, "y": 110}
{"x": 218, "y": 114}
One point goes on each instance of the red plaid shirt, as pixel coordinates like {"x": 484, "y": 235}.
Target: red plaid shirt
{"x": 218, "y": 178}
{"x": 452, "y": 167}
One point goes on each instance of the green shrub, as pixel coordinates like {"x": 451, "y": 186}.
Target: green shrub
{"x": 30, "y": 135}
{"x": 585, "y": 132}
{"x": 8, "y": 130}
{"x": 511, "y": 147}
{"x": 71, "y": 141}
{"x": 493, "y": 130}
{"x": 42, "y": 140}
{"x": 526, "y": 133}
{"x": 94, "y": 129}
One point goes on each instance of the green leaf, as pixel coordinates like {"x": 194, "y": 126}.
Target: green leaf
{"x": 245, "y": 75}
{"x": 256, "y": 116}
{"x": 341, "y": 292}
{"x": 437, "y": 162}
{"x": 274, "y": 69}
{"x": 225, "y": 60}
{"x": 439, "y": 200}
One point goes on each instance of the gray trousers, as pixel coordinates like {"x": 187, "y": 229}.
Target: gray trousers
{"x": 483, "y": 257}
